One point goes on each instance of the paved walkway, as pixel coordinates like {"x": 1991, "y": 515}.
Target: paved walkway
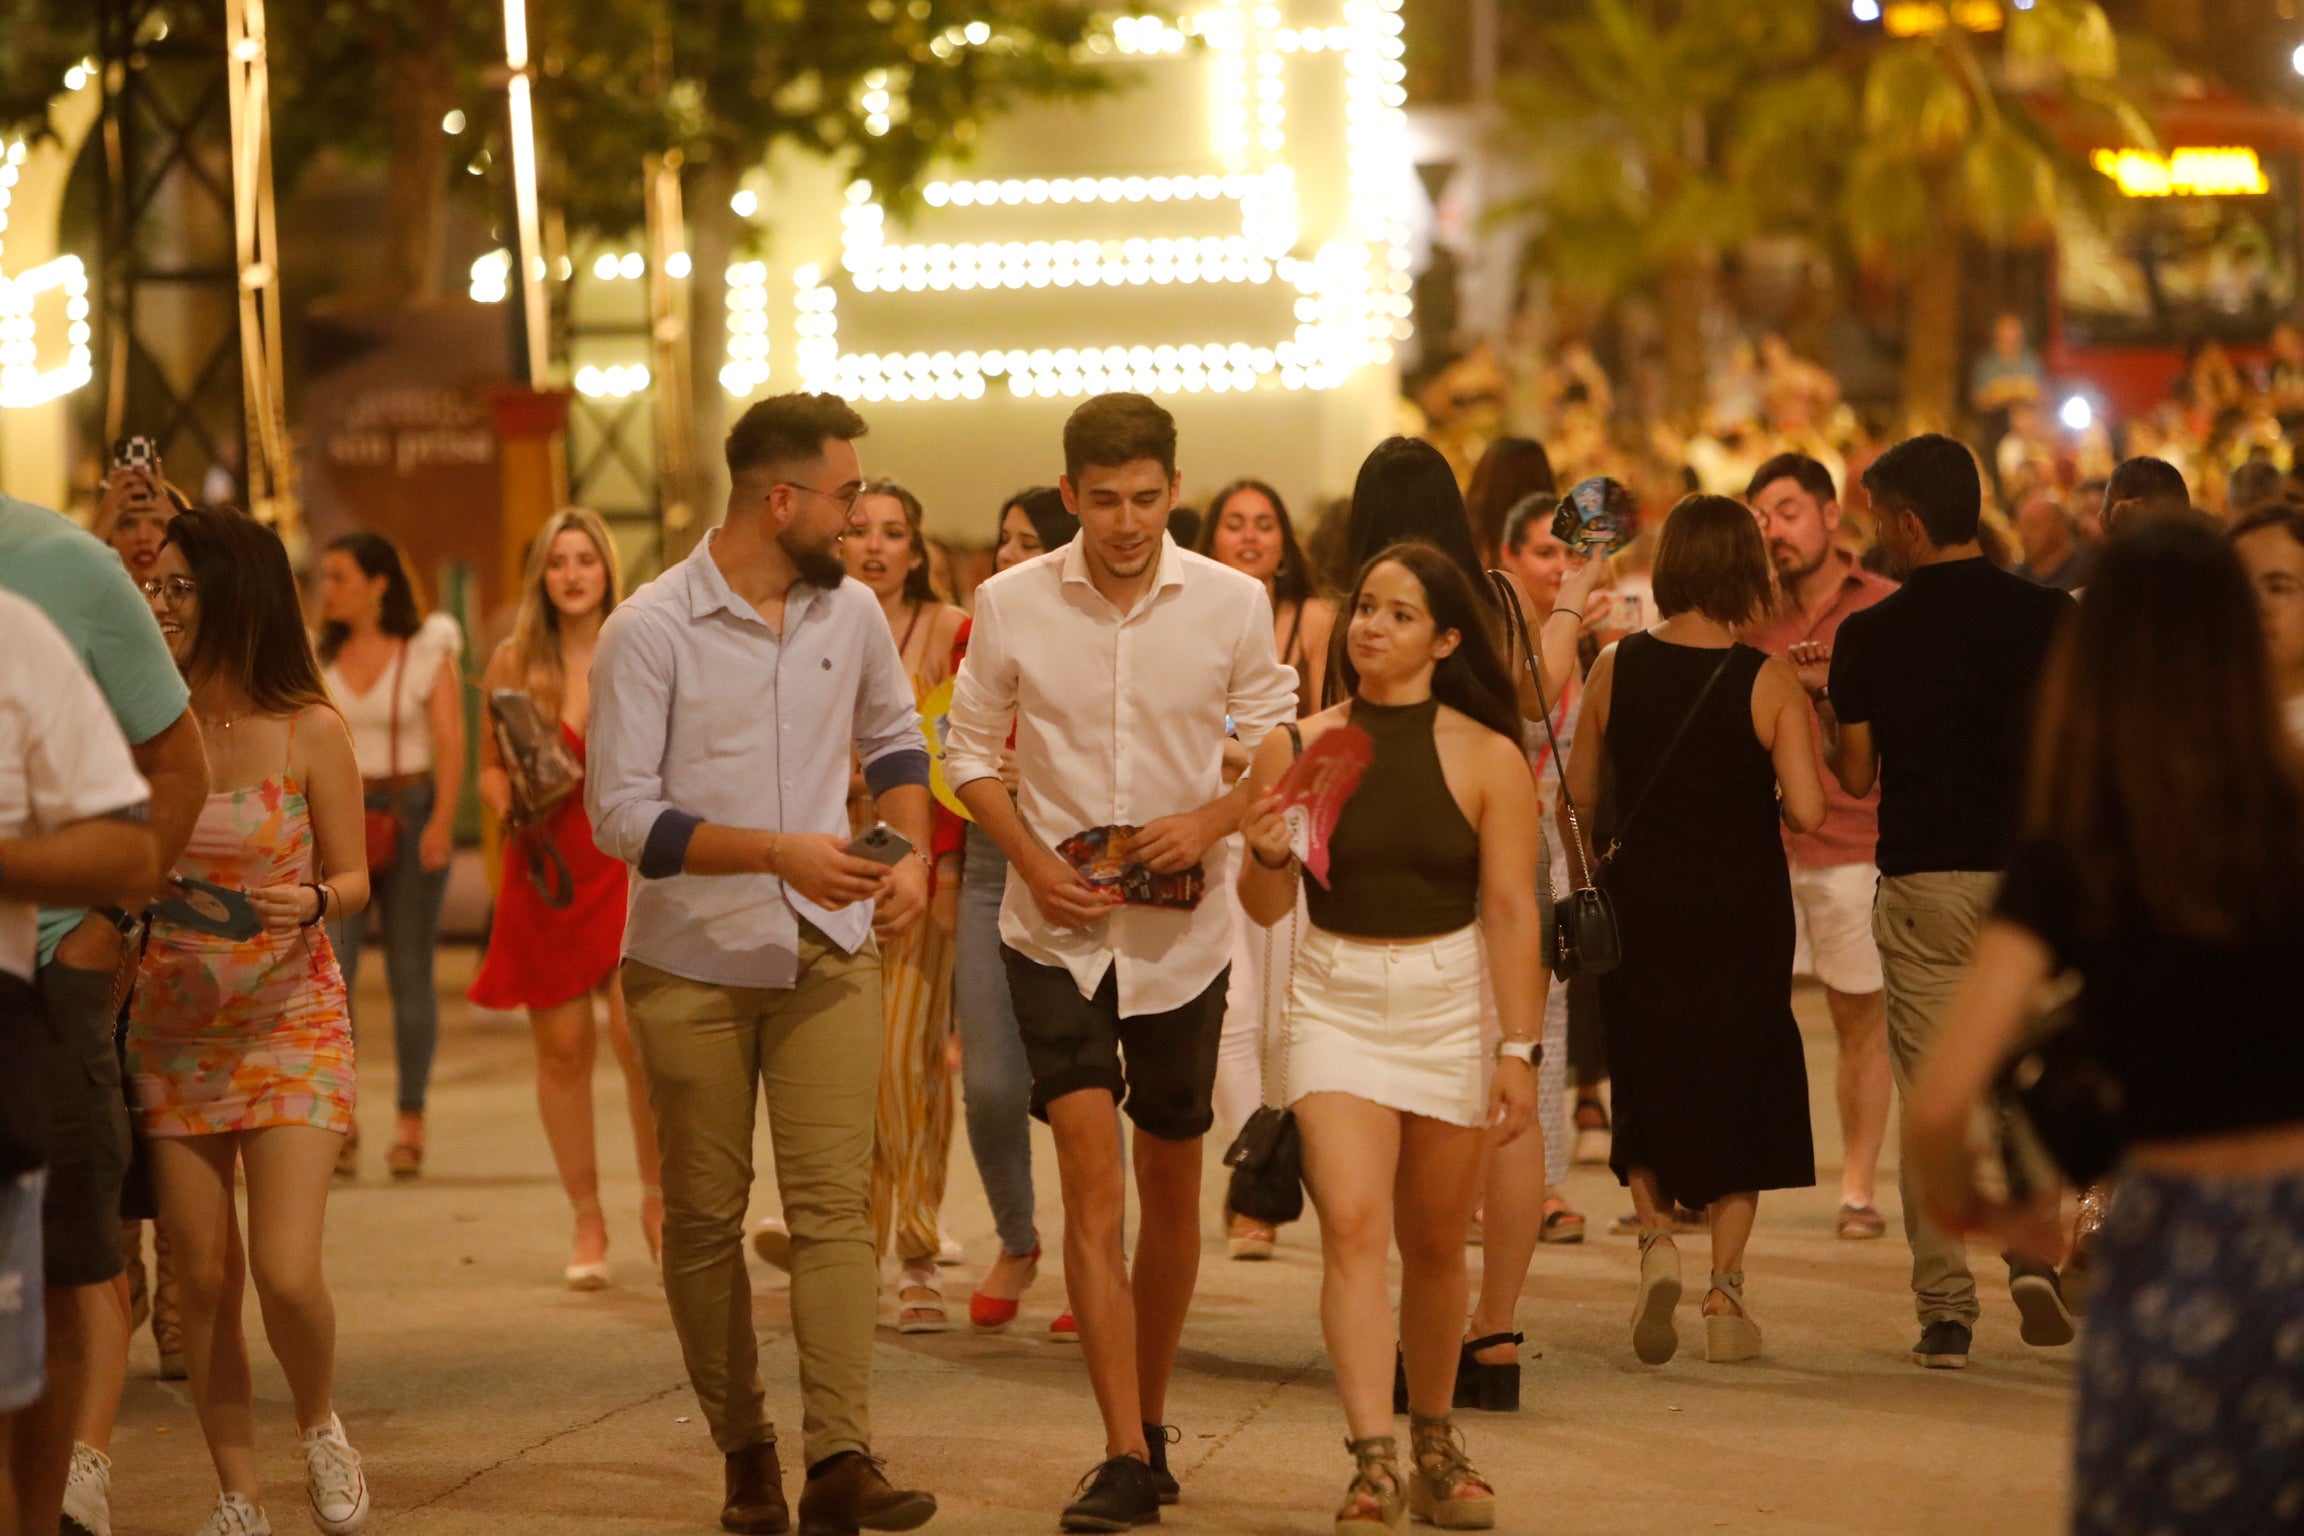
{"x": 488, "y": 1399}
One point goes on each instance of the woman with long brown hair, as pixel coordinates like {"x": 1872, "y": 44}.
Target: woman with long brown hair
{"x": 555, "y": 957}
{"x": 239, "y": 1034}
{"x": 2161, "y": 858}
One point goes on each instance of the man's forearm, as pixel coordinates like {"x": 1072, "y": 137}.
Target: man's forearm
{"x": 906, "y": 808}
{"x": 995, "y": 811}
{"x": 1223, "y": 814}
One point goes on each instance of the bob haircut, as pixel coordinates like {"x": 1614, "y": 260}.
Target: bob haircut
{"x": 918, "y": 587}
{"x": 1710, "y": 560}
{"x": 1292, "y": 583}
{"x": 376, "y": 556}
{"x": 251, "y": 624}
{"x": 1473, "y": 679}
{"x": 2163, "y": 780}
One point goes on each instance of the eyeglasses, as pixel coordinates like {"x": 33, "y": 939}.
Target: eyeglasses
{"x": 844, "y": 500}
{"x": 175, "y": 591}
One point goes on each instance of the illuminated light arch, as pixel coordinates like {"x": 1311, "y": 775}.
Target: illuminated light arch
{"x": 47, "y": 304}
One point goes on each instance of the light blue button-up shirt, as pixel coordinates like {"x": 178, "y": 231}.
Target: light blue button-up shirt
{"x": 701, "y": 712}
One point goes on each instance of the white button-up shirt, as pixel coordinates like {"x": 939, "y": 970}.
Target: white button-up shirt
{"x": 1119, "y": 719}
{"x": 701, "y": 712}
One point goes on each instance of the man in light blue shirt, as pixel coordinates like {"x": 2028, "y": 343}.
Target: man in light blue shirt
{"x": 87, "y": 594}
{"x": 728, "y": 697}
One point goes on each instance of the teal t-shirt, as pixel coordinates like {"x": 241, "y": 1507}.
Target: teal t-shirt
{"x": 86, "y": 592}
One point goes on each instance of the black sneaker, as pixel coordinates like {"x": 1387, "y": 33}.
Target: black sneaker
{"x": 1157, "y": 1439}
{"x": 1119, "y": 1494}
{"x": 2039, "y": 1301}
{"x": 1943, "y": 1346}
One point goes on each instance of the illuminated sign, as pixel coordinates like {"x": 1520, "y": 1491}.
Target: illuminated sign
{"x": 2226, "y": 172}
{"x": 52, "y": 298}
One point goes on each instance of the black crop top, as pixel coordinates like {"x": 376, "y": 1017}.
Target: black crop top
{"x": 2204, "y": 1038}
{"x": 1403, "y": 863}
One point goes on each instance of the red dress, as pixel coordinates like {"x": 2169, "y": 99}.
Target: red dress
{"x": 539, "y": 957}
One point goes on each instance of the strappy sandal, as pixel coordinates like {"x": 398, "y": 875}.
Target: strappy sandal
{"x": 1491, "y": 1388}
{"x": 1655, "y": 1336}
{"x": 1443, "y": 1487}
{"x": 918, "y": 1278}
{"x": 1859, "y": 1222}
{"x": 1561, "y": 1224}
{"x": 1377, "y": 1495}
{"x": 1730, "y": 1336}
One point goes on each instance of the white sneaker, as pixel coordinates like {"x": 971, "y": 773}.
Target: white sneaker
{"x": 235, "y": 1516}
{"x": 333, "y": 1480}
{"x": 88, "y": 1493}
{"x": 949, "y": 1253}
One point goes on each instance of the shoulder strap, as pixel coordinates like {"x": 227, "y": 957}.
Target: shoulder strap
{"x": 392, "y": 752}
{"x": 1295, "y": 738}
{"x": 1517, "y": 619}
{"x": 1623, "y": 822}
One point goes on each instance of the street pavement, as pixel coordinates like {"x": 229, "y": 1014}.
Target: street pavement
{"x": 488, "y": 1398}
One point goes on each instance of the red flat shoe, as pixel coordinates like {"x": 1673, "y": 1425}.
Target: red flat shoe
{"x": 1063, "y": 1330}
{"x": 990, "y": 1314}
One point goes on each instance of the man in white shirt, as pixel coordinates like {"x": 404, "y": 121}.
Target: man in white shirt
{"x": 1118, "y": 660}
{"x": 727, "y": 698}
{"x": 72, "y": 832}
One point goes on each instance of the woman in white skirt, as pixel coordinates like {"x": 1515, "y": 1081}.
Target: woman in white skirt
{"x": 1425, "y": 932}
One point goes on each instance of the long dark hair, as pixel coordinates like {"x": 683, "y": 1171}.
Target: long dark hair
{"x": 1407, "y": 493}
{"x": 1292, "y": 582}
{"x": 2162, "y": 776}
{"x": 1043, "y": 507}
{"x": 251, "y": 624}
{"x": 376, "y": 556}
{"x": 1472, "y": 679}
{"x": 918, "y": 586}
{"x": 1512, "y": 470}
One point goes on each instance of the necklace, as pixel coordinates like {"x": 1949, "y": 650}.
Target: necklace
{"x": 209, "y": 722}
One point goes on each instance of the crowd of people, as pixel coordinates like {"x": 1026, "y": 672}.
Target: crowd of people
{"x": 805, "y": 831}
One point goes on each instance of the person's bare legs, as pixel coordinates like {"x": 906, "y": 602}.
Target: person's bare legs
{"x": 566, "y": 1048}
{"x": 40, "y": 1436}
{"x": 290, "y": 1168}
{"x": 1512, "y": 1217}
{"x": 1435, "y": 1184}
{"x": 1167, "y": 1261}
{"x": 193, "y": 1175}
{"x": 1648, "y": 1202}
{"x": 1860, "y": 1019}
{"x": 645, "y": 1157}
{"x": 1351, "y": 1165}
{"x": 1096, "y": 1262}
{"x": 104, "y": 1324}
{"x": 1732, "y": 1217}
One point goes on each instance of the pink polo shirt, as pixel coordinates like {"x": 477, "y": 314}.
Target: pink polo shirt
{"x": 1851, "y": 826}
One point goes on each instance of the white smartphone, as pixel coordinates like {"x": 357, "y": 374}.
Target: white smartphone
{"x": 882, "y": 844}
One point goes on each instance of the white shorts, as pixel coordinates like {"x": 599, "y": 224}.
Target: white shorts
{"x": 1401, "y": 1025}
{"x": 1832, "y": 904}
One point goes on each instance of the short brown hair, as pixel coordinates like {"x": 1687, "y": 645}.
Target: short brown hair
{"x": 790, "y": 429}
{"x": 1711, "y": 559}
{"x": 1110, "y": 430}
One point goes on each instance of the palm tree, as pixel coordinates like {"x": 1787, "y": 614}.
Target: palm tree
{"x": 1953, "y": 147}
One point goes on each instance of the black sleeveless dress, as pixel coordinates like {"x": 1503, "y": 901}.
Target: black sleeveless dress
{"x": 1711, "y": 1087}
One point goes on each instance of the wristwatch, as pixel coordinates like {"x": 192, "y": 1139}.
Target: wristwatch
{"x": 1518, "y": 1048}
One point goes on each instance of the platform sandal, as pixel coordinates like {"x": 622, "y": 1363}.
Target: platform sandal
{"x": 1443, "y": 1487}
{"x": 1730, "y": 1336}
{"x": 1377, "y": 1495}
{"x": 920, "y": 1298}
{"x": 1489, "y": 1388}
{"x": 1655, "y": 1335}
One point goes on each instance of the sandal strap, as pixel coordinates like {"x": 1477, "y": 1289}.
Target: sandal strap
{"x": 1491, "y": 1340}
{"x": 1730, "y": 1285}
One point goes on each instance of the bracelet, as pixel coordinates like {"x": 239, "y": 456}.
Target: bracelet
{"x": 1575, "y": 613}
{"x": 1258, "y": 855}
{"x": 319, "y": 890}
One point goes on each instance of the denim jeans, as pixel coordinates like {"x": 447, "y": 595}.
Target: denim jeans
{"x": 406, "y": 900}
{"x": 995, "y": 1082}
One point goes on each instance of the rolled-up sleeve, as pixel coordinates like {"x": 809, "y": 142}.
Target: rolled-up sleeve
{"x": 632, "y": 682}
{"x": 888, "y": 739}
{"x": 1263, "y": 688}
{"x": 983, "y": 699}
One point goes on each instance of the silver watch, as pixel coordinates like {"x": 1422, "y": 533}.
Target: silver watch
{"x": 1512, "y": 1048}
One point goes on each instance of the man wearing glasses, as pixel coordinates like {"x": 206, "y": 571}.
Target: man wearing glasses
{"x": 727, "y": 697}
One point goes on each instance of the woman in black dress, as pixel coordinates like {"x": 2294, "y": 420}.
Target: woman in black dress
{"x": 1711, "y": 1087}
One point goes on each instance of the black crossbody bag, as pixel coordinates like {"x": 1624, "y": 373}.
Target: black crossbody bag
{"x": 1585, "y": 939}
{"x": 1267, "y": 1157}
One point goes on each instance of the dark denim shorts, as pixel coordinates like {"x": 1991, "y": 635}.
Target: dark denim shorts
{"x": 1159, "y": 1067}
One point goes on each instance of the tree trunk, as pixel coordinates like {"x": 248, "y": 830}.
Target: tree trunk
{"x": 712, "y": 229}
{"x": 420, "y": 90}
{"x": 1932, "y": 297}
{"x": 1686, "y": 287}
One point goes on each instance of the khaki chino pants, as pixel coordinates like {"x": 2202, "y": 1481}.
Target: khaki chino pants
{"x": 815, "y": 1049}
{"x": 1925, "y": 925}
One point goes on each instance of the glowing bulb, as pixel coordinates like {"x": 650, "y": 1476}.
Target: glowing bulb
{"x": 2077, "y": 414}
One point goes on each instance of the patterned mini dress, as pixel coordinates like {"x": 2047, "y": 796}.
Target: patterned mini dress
{"x": 243, "y": 1034}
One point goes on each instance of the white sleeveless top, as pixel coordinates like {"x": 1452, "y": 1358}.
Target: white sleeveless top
{"x": 436, "y": 644}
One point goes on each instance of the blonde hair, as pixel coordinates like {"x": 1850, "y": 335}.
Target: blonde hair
{"x": 535, "y": 642}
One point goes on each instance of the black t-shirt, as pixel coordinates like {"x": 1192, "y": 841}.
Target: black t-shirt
{"x": 2203, "y": 1037}
{"x": 1943, "y": 670}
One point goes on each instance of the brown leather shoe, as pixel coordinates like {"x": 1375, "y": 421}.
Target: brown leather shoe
{"x": 849, "y": 1494}
{"x": 755, "y": 1505}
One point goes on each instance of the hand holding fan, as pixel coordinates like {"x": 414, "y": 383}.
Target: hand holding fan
{"x": 1313, "y": 790}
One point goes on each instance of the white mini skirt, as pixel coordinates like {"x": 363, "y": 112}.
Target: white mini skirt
{"x": 1401, "y": 1025}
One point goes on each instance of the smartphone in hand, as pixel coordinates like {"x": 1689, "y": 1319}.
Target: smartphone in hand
{"x": 882, "y": 844}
